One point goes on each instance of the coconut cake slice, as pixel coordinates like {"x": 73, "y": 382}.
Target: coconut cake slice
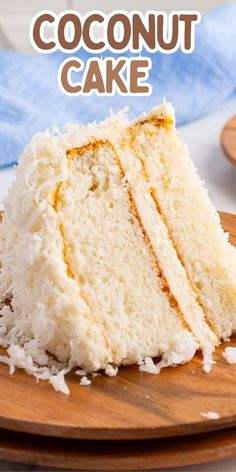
{"x": 85, "y": 283}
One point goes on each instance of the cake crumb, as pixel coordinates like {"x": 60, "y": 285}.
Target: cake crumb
{"x": 96, "y": 374}
{"x": 229, "y": 355}
{"x": 85, "y": 381}
{"x": 147, "y": 396}
{"x": 211, "y": 415}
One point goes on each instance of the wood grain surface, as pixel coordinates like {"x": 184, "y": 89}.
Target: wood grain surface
{"x": 152, "y": 454}
{"x": 228, "y": 139}
{"x": 132, "y": 405}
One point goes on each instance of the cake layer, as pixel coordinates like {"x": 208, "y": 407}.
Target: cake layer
{"x": 110, "y": 257}
{"x": 193, "y": 224}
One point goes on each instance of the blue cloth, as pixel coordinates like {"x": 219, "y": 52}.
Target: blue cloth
{"x": 196, "y": 84}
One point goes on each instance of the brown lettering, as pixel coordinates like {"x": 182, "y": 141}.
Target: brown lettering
{"x": 86, "y": 32}
{"x": 113, "y": 75}
{"x": 69, "y": 17}
{"x": 136, "y": 74}
{"x": 148, "y": 34}
{"x": 45, "y": 46}
{"x": 118, "y": 18}
{"x": 167, "y": 46}
{"x": 73, "y": 64}
{"x": 188, "y": 19}
{"x": 94, "y": 80}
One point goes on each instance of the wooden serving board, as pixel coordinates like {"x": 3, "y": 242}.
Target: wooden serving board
{"x": 132, "y": 405}
{"x": 143, "y": 455}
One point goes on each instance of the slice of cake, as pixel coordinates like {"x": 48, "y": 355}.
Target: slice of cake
{"x": 81, "y": 274}
{"x": 95, "y": 270}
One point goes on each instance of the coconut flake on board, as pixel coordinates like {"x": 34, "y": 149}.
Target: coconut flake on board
{"x": 148, "y": 366}
{"x": 81, "y": 372}
{"x": 6, "y": 360}
{"x": 85, "y": 381}
{"x": 210, "y": 415}
{"x": 229, "y": 355}
{"x": 111, "y": 371}
{"x": 208, "y": 360}
{"x": 58, "y": 382}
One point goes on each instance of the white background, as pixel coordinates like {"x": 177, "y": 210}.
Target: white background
{"x": 202, "y": 136}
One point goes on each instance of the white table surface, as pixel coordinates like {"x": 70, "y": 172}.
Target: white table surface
{"x": 203, "y": 139}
